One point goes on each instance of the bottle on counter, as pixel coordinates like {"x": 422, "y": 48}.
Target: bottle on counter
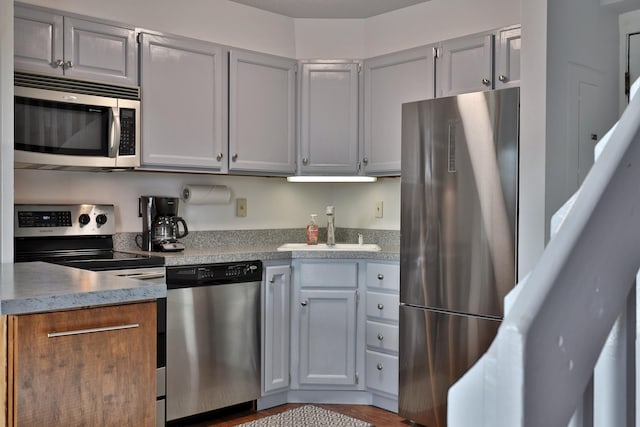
{"x": 312, "y": 231}
{"x": 331, "y": 228}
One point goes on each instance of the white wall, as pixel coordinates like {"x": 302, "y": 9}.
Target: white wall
{"x": 271, "y": 202}
{"x": 582, "y": 40}
{"x": 6, "y": 130}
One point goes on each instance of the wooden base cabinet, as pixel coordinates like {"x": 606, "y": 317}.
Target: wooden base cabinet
{"x": 94, "y": 367}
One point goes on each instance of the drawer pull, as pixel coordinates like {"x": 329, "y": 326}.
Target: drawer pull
{"x": 379, "y": 366}
{"x": 380, "y": 337}
{"x": 380, "y": 276}
{"x": 304, "y": 303}
{"x": 380, "y": 306}
{"x": 92, "y": 330}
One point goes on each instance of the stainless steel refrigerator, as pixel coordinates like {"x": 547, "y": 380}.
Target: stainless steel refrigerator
{"x": 459, "y": 213}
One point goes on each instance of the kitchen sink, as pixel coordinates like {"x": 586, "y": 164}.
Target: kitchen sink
{"x": 365, "y": 247}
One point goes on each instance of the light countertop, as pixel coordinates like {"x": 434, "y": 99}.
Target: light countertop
{"x": 31, "y": 287}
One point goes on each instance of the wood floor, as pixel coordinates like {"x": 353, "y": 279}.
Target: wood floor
{"x": 376, "y": 416}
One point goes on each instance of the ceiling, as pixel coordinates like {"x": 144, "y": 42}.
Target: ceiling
{"x": 330, "y": 9}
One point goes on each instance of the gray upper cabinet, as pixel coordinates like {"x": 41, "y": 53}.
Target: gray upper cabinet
{"x": 465, "y": 65}
{"x": 508, "y": 57}
{"x": 46, "y": 42}
{"x": 328, "y": 122}
{"x": 261, "y": 113}
{"x": 389, "y": 81}
{"x": 183, "y": 85}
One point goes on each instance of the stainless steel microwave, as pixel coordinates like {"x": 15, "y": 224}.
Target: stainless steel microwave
{"x": 75, "y": 125}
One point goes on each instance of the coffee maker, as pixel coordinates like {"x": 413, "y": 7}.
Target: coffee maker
{"x": 161, "y": 224}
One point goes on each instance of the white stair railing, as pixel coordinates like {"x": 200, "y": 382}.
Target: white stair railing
{"x": 539, "y": 371}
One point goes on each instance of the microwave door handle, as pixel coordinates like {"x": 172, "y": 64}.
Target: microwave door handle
{"x": 114, "y": 143}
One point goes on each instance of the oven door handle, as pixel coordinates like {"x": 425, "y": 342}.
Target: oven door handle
{"x": 92, "y": 330}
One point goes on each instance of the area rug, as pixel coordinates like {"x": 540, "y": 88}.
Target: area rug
{"x": 307, "y": 416}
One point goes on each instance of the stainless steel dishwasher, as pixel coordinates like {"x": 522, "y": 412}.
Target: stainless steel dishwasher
{"x": 213, "y": 336}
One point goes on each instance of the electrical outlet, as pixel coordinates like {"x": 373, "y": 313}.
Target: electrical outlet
{"x": 241, "y": 207}
{"x": 378, "y": 213}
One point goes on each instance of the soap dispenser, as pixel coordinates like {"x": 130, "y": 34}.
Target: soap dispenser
{"x": 312, "y": 231}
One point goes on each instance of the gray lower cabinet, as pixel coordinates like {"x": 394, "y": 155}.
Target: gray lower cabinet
{"x": 50, "y": 43}
{"x": 184, "y": 98}
{"x": 276, "y": 325}
{"x": 325, "y": 325}
{"x": 382, "y": 332}
{"x": 262, "y": 113}
{"x": 389, "y": 81}
{"x": 328, "y": 118}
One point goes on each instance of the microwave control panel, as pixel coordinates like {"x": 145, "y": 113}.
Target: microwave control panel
{"x": 127, "y": 132}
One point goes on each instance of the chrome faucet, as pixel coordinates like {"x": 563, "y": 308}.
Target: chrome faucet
{"x": 331, "y": 228}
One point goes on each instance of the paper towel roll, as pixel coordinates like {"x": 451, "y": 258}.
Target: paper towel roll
{"x": 206, "y": 194}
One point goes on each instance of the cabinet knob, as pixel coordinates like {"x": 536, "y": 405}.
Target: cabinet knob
{"x": 58, "y": 63}
{"x": 234, "y": 157}
{"x": 379, "y": 366}
{"x": 380, "y": 337}
{"x": 273, "y": 279}
{"x": 305, "y": 160}
{"x": 486, "y": 82}
{"x": 503, "y": 78}
{"x": 380, "y": 276}
{"x": 68, "y": 64}
{"x": 304, "y": 303}
{"x": 380, "y": 306}
{"x": 219, "y": 156}
{"x": 365, "y": 160}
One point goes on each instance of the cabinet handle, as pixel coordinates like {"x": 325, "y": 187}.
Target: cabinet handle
{"x": 380, "y": 306}
{"x": 273, "y": 279}
{"x": 486, "y": 82}
{"x": 503, "y": 78}
{"x": 380, "y": 276}
{"x": 219, "y": 156}
{"x": 304, "y": 303}
{"x": 58, "y": 63}
{"x": 379, "y": 366}
{"x": 365, "y": 160}
{"x": 92, "y": 330}
{"x": 305, "y": 160}
{"x": 234, "y": 157}
{"x": 68, "y": 64}
{"x": 380, "y": 337}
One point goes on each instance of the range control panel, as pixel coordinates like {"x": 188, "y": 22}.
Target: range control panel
{"x": 64, "y": 220}
{"x": 213, "y": 274}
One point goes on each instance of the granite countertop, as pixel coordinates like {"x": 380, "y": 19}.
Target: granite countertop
{"x": 32, "y": 287}
{"x": 265, "y": 253}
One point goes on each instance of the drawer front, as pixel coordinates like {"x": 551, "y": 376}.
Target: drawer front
{"x": 329, "y": 275}
{"x": 383, "y": 306}
{"x": 381, "y": 336}
{"x": 382, "y": 372}
{"x": 383, "y": 276}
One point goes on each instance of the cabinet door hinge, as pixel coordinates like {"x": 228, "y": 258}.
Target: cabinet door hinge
{"x": 357, "y": 297}
{"x": 359, "y": 68}
{"x": 436, "y": 52}
{"x": 357, "y": 378}
{"x": 138, "y": 37}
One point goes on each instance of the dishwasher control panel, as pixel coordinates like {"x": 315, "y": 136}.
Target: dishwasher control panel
{"x": 213, "y": 274}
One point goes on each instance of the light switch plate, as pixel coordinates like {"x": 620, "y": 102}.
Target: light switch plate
{"x": 241, "y": 207}
{"x": 378, "y": 212}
